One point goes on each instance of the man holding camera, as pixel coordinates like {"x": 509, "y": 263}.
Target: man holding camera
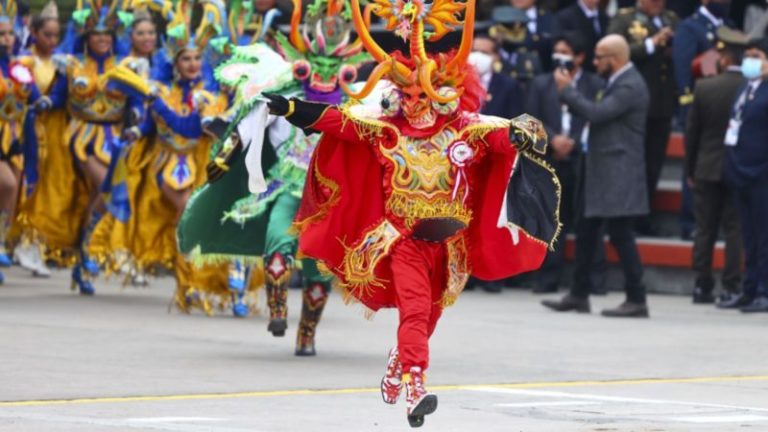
{"x": 568, "y": 133}
{"x": 614, "y": 182}
{"x": 649, "y": 29}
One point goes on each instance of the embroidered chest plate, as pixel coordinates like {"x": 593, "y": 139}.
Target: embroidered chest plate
{"x": 426, "y": 182}
{"x": 89, "y": 98}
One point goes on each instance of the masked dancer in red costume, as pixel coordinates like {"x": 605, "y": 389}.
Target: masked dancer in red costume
{"x": 405, "y": 200}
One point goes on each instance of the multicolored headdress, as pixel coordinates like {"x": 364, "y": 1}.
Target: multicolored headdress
{"x": 180, "y": 34}
{"x": 321, "y": 49}
{"x": 8, "y": 10}
{"x": 98, "y": 16}
{"x": 439, "y": 76}
{"x": 246, "y": 25}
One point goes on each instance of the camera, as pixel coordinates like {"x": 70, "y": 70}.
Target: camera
{"x": 563, "y": 62}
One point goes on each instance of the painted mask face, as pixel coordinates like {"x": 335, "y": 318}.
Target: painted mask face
{"x": 417, "y": 107}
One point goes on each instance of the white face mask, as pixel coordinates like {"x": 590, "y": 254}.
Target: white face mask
{"x": 482, "y": 62}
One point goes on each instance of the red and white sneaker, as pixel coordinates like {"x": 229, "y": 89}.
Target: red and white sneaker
{"x": 420, "y": 402}
{"x": 392, "y": 383}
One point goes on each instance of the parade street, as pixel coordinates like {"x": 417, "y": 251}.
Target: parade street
{"x": 119, "y": 361}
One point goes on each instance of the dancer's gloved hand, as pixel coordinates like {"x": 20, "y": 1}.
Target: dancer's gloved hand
{"x": 278, "y": 105}
{"x": 526, "y": 133}
{"x": 223, "y": 159}
{"x": 300, "y": 113}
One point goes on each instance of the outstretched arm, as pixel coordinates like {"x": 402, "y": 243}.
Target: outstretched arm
{"x": 315, "y": 117}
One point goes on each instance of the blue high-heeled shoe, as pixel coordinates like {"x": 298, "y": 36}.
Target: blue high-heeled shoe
{"x": 83, "y": 285}
{"x": 5, "y": 260}
{"x": 236, "y": 283}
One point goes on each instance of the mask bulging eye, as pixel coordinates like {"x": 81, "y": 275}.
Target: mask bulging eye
{"x": 301, "y": 70}
{"x": 446, "y": 108}
{"x": 390, "y": 103}
{"x": 348, "y": 74}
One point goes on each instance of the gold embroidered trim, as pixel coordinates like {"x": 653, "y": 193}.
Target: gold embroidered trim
{"x": 360, "y": 261}
{"x": 411, "y": 208}
{"x": 323, "y": 208}
{"x": 458, "y": 270}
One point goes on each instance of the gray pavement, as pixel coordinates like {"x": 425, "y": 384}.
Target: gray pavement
{"x": 120, "y": 362}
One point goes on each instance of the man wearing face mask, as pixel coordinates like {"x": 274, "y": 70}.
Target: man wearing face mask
{"x": 746, "y": 170}
{"x": 504, "y": 94}
{"x": 649, "y": 29}
{"x": 614, "y": 182}
{"x": 714, "y": 203}
{"x": 567, "y": 132}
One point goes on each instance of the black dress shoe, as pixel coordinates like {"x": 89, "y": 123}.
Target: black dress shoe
{"x": 568, "y": 303}
{"x": 627, "y": 310}
{"x": 734, "y": 301}
{"x": 759, "y": 304}
{"x": 598, "y": 291}
{"x": 703, "y": 296}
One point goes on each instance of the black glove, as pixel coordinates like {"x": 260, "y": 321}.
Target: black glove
{"x": 278, "y": 105}
{"x": 222, "y": 161}
{"x": 300, "y": 113}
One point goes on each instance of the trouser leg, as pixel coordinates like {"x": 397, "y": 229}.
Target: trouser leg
{"x": 707, "y": 205}
{"x": 622, "y": 236}
{"x": 731, "y": 223}
{"x": 749, "y": 237}
{"x": 587, "y": 241}
{"x": 414, "y": 264}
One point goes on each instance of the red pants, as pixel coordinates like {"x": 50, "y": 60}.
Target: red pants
{"x": 419, "y": 277}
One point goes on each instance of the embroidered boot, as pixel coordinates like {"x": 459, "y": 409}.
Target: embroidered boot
{"x": 278, "y": 273}
{"x": 419, "y": 401}
{"x": 313, "y": 302}
{"x": 392, "y": 383}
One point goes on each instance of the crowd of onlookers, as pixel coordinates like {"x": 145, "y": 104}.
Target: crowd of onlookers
{"x": 610, "y": 83}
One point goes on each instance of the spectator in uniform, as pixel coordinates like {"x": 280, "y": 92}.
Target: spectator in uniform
{"x": 693, "y": 37}
{"x": 524, "y": 33}
{"x": 567, "y": 134}
{"x": 586, "y": 17}
{"x": 649, "y": 29}
{"x": 746, "y": 170}
{"x": 614, "y": 183}
{"x": 713, "y": 199}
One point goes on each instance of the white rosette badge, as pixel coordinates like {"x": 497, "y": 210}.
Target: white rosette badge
{"x": 460, "y": 154}
{"x": 21, "y": 74}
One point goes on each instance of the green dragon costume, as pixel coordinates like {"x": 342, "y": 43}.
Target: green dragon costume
{"x": 258, "y": 169}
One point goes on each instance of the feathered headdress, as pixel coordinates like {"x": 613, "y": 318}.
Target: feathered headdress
{"x": 247, "y": 26}
{"x": 8, "y": 10}
{"x": 407, "y": 18}
{"x": 99, "y": 16}
{"x": 180, "y": 35}
{"x": 321, "y": 48}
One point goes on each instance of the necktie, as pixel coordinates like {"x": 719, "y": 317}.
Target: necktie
{"x": 596, "y": 24}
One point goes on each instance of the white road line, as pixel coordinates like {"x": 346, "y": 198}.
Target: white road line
{"x": 545, "y": 404}
{"x": 593, "y": 397}
{"x": 722, "y": 419}
{"x": 174, "y": 419}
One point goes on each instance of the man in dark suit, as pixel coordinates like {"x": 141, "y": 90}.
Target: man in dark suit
{"x": 614, "y": 183}
{"x": 693, "y": 36}
{"x": 585, "y": 17}
{"x": 566, "y": 133}
{"x": 746, "y": 170}
{"x": 649, "y": 29}
{"x": 714, "y": 204}
{"x": 504, "y": 94}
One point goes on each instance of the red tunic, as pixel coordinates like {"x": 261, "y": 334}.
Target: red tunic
{"x": 372, "y": 180}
